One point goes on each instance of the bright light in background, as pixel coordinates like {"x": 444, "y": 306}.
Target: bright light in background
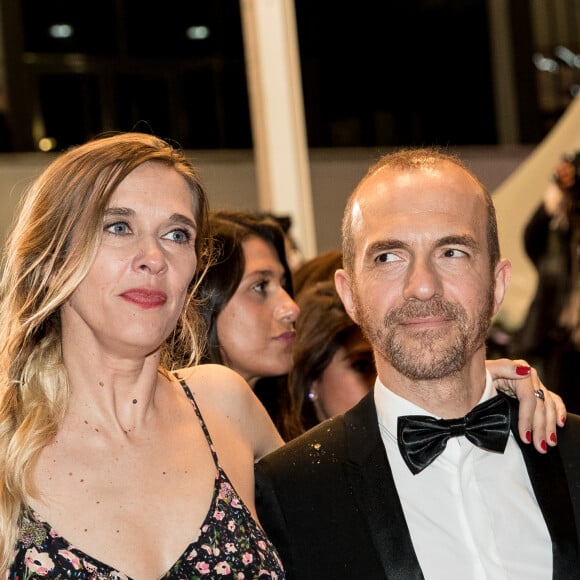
{"x": 544, "y": 63}
{"x": 47, "y": 144}
{"x": 61, "y": 31}
{"x": 197, "y": 32}
{"x": 568, "y": 56}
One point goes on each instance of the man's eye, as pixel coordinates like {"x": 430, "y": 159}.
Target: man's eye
{"x": 118, "y": 228}
{"x": 454, "y": 253}
{"x": 386, "y": 257}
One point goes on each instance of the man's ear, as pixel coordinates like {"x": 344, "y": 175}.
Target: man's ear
{"x": 503, "y": 274}
{"x": 343, "y": 284}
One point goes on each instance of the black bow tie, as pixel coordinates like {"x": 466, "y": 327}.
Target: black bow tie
{"x": 422, "y": 439}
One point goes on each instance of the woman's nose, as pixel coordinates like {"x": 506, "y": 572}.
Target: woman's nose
{"x": 287, "y": 309}
{"x": 150, "y": 257}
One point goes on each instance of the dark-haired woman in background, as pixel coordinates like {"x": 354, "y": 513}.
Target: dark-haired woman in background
{"x": 247, "y": 306}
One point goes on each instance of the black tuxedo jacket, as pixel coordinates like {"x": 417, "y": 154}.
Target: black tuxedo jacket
{"x": 328, "y": 501}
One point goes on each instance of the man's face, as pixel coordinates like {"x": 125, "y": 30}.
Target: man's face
{"x": 421, "y": 288}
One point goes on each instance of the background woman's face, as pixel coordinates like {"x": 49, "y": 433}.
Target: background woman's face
{"x": 256, "y": 327}
{"x": 346, "y": 380}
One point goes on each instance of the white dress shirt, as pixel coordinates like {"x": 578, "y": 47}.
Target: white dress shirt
{"x": 472, "y": 513}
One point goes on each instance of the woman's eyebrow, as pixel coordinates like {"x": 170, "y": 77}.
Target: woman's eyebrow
{"x": 119, "y": 211}
{"x": 183, "y": 219}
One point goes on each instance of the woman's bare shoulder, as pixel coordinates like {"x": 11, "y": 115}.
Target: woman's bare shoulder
{"x": 216, "y": 382}
{"x": 227, "y": 396}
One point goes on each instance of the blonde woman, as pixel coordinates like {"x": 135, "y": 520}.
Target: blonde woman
{"x": 112, "y": 465}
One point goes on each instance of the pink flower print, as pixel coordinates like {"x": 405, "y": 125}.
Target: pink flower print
{"x": 226, "y": 491}
{"x": 192, "y": 554}
{"x": 38, "y": 562}
{"x": 89, "y": 567}
{"x": 53, "y": 534}
{"x": 216, "y": 551}
{"x": 72, "y": 558}
{"x": 223, "y": 568}
{"x": 219, "y": 515}
{"x": 263, "y": 573}
{"x": 247, "y": 558}
{"x": 206, "y": 548}
{"x": 231, "y": 548}
{"x": 262, "y": 544}
{"x": 240, "y": 576}
{"x": 202, "y": 567}
{"x": 235, "y": 503}
{"x": 232, "y": 526}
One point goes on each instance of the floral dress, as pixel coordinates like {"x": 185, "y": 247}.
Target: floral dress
{"x": 230, "y": 543}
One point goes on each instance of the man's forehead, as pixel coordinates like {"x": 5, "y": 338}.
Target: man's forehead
{"x": 406, "y": 202}
{"x": 445, "y": 177}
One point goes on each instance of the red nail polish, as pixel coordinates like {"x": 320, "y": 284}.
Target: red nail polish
{"x": 563, "y": 420}
{"x": 543, "y": 445}
{"x": 553, "y": 437}
{"x": 522, "y": 370}
{"x": 528, "y": 436}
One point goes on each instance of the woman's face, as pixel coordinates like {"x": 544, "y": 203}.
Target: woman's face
{"x": 346, "y": 380}
{"x": 132, "y": 297}
{"x": 256, "y": 327}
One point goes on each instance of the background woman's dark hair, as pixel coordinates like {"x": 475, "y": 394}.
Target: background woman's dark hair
{"x": 229, "y": 229}
{"x": 321, "y": 267}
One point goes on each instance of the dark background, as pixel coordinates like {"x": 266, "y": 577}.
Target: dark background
{"x": 375, "y": 73}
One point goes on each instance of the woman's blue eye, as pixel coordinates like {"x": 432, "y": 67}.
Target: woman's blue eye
{"x": 117, "y": 228}
{"x": 179, "y": 236}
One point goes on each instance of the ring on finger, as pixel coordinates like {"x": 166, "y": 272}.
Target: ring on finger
{"x": 540, "y": 394}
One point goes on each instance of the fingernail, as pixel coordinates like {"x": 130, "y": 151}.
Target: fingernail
{"x": 553, "y": 437}
{"x": 543, "y": 445}
{"x": 522, "y": 370}
{"x": 563, "y": 420}
{"x": 528, "y": 436}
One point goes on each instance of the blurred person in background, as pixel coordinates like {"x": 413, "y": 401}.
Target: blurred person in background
{"x": 550, "y": 335}
{"x": 333, "y": 363}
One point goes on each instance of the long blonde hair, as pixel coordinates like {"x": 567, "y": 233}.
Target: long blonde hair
{"x": 41, "y": 269}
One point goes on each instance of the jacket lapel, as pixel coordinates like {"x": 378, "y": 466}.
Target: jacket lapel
{"x": 549, "y": 482}
{"x": 372, "y": 482}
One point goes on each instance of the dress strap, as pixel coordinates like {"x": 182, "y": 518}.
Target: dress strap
{"x": 201, "y": 421}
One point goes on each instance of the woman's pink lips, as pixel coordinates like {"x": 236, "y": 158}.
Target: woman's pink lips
{"x": 286, "y": 337}
{"x": 145, "y": 298}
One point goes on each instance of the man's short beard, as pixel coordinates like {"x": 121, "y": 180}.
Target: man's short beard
{"x": 420, "y": 355}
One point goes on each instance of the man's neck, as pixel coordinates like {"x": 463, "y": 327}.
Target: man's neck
{"x": 449, "y": 397}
